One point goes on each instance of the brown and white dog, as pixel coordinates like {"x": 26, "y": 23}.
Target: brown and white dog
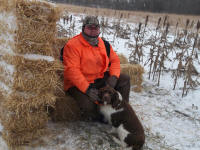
{"x": 122, "y": 117}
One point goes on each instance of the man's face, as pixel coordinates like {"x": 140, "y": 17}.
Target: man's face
{"x": 92, "y": 30}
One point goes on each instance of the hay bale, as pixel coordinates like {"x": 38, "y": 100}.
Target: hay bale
{"x": 28, "y": 78}
{"x": 123, "y": 59}
{"x": 58, "y": 44}
{"x": 7, "y": 5}
{"x": 36, "y": 27}
{"x": 31, "y": 121}
{"x": 15, "y": 139}
{"x": 66, "y": 109}
{"x": 135, "y": 72}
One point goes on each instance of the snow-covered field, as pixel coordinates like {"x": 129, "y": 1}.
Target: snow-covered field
{"x": 170, "y": 121}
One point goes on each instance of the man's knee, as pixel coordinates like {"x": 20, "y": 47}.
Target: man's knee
{"x": 124, "y": 79}
{"x": 83, "y": 101}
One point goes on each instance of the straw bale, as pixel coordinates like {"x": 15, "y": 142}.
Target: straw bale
{"x": 123, "y": 59}
{"x": 37, "y": 10}
{"x": 34, "y": 34}
{"x": 23, "y": 64}
{"x": 29, "y": 43}
{"x": 23, "y": 127}
{"x": 34, "y": 75}
{"x": 26, "y": 46}
{"x": 36, "y": 27}
{"x": 135, "y": 72}
{"x": 58, "y": 44}
{"x": 23, "y": 112}
{"x": 5, "y": 80}
{"x": 14, "y": 139}
{"x": 24, "y": 121}
{"x": 66, "y": 109}
{"x": 7, "y": 5}
{"x": 36, "y": 31}
{"x": 23, "y": 102}
{"x": 5, "y": 29}
{"x": 36, "y": 83}
{"x": 3, "y": 92}
{"x": 4, "y": 71}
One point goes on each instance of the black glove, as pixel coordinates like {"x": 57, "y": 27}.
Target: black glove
{"x": 112, "y": 81}
{"x": 93, "y": 94}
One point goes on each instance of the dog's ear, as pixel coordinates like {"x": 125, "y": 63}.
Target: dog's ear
{"x": 115, "y": 100}
{"x": 100, "y": 93}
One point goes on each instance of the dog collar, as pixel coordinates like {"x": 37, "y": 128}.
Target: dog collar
{"x": 96, "y": 102}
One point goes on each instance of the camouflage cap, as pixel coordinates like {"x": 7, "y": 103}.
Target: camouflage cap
{"x": 91, "y": 20}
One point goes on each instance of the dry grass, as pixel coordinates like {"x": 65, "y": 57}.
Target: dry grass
{"x": 132, "y": 16}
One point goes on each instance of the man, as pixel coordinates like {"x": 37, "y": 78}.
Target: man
{"x": 86, "y": 67}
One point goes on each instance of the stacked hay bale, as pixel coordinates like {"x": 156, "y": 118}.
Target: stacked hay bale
{"x": 135, "y": 71}
{"x": 28, "y": 78}
{"x": 58, "y": 44}
{"x": 66, "y": 108}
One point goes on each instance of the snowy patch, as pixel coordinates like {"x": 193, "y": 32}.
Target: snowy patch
{"x": 38, "y": 57}
{"x": 8, "y": 22}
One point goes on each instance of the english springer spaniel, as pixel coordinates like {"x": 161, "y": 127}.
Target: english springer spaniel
{"x": 122, "y": 117}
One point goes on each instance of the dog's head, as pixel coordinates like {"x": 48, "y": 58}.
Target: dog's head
{"x": 108, "y": 95}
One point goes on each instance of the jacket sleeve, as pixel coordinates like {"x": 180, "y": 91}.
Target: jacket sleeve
{"x": 115, "y": 63}
{"x": 71, "y": 60}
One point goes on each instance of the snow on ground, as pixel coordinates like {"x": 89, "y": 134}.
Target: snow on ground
{"x": 170, "y": 121}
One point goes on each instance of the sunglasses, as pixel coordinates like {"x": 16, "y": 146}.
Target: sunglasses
{"x": 92, "y": 26}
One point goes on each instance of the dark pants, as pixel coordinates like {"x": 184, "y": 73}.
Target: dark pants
{"x": 91, "y": 110}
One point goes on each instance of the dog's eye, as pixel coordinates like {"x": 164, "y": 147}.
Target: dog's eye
{"x": 110, "y": 92}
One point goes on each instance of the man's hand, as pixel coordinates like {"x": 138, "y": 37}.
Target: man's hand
{"x": 93, "y": 94}
{"x": 112, "y": 81}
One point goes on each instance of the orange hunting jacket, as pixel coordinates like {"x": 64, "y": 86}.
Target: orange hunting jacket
{"x": 84, "y": 63}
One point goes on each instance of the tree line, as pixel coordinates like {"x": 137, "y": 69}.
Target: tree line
{"x": 163, "y": 6}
